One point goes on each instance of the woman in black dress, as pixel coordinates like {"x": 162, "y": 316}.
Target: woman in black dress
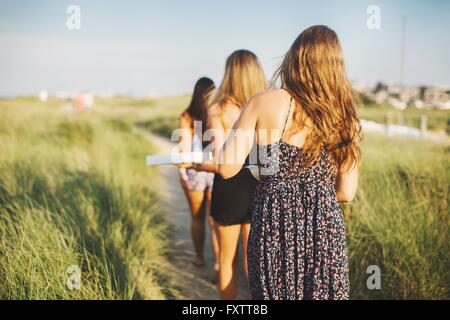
{"x": 232, "y": 200}
{"x": 297, "y": 247}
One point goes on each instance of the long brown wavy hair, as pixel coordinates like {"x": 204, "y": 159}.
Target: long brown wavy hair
{"x": 313, "y": 72}
{"x": 244, "y": 77}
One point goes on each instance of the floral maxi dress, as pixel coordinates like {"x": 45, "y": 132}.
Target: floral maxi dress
{"x": 297, "y": 247}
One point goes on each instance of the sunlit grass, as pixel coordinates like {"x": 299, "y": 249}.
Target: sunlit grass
{"x": 74, "y": 190}
{"x": 400, "y": 220}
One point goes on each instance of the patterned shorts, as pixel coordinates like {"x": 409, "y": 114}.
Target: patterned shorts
{"x": 199, "y": 180}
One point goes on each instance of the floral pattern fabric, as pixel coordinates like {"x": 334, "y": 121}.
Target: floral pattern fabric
{"x": 297, "y": 247}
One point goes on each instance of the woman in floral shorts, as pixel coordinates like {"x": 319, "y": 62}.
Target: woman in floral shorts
{"x": 197, "y": 185}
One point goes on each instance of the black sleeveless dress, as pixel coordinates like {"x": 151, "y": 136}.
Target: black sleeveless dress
{"x": 232, "y": 199}
{"x": 297, "y": 247}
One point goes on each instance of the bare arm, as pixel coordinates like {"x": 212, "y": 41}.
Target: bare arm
{"x": 347, "y": 182}
{"x": 184, "y": 145}
{"x": 240, "y": 141}
{"x": 216, "y": 134}
{"x": 185, "y": 127}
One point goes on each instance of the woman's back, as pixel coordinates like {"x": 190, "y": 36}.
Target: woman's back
{"x": 276, "y": 114}
{"x": 296, "y": 214}
{"x": 280, "y": 150}
{"x": 224, "y": 115}
{"x": 241, "y": 188}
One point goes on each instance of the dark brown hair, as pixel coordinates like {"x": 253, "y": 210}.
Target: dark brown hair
{"x": 197, "y": 108}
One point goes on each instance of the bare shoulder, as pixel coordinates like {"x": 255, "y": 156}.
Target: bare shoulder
{"x": 270, "y": 102}
{"x": 230, "y": 113}
{"x": 273, "y": 95}
{"x": 229, "y": 109}
{"x": 214, "y": 110}
{"x": 185, "y": 116}
{"x": 185, "y": 119}
{"x": 214, "y": 114}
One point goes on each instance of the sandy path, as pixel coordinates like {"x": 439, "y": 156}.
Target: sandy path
{"x": 194, "y": 282}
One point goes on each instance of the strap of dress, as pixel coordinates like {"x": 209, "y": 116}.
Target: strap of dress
{"x": 287, "y": 118}
{"x": 282, "y": 134}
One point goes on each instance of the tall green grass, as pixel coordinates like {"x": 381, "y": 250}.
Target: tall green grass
{"x": 400, "y": 220}
{"x": 74, "y": 190}
{"x": 161, "y": 125}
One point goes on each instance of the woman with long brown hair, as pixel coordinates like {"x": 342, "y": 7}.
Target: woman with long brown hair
{"x": 309, "y": 163}
{"x": 232, "y": 200}
{"x": 197, "y": 185}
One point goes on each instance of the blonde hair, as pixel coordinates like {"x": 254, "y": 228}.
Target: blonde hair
{"x": 313, "y": 72}
{"x": 244, "y": 77}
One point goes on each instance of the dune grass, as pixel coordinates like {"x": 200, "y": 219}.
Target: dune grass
{"x": 74, "y": 190}
{"x": 399, "y": 220}
{"x": 161, "y": 125}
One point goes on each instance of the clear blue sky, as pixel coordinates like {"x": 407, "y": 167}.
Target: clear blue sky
{"x": 145, "y": 47}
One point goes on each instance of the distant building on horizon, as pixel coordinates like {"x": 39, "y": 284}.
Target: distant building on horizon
{"x": 402, "y": 96}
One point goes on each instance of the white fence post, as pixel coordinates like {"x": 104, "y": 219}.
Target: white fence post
{"x": 388, "y": 123}
{"x": 423, "y": 125}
